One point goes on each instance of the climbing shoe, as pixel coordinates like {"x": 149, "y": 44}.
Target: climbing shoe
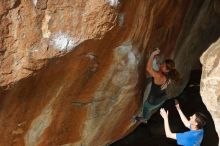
{"x": 139, "y": 119}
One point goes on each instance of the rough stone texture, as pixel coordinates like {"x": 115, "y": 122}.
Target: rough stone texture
{"x": 72, "y": 72}
{"x": 200, "y": 29}
{"x": 210, "y": 81}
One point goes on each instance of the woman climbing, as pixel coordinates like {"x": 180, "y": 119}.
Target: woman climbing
{"x": 162, "y": 76}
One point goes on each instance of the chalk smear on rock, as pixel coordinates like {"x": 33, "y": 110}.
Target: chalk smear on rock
{"x": 113, "y": 2}
{"x": 63, "y": 42}
{"x": 34, "y": 2}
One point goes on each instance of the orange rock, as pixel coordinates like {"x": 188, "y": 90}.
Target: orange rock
{"x": 76, "y": 74}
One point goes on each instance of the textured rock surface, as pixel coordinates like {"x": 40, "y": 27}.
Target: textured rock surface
{"x": 200, "y": 29}
{"x": 72, "y": 73}
{"x": 210, "y": 81}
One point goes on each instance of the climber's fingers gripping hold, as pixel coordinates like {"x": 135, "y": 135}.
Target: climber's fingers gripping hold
{"x": 156, "y": 52}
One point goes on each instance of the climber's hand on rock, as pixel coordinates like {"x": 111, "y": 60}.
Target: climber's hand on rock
{"x": 164, "y": 113}
{"x": 156, "y": 52}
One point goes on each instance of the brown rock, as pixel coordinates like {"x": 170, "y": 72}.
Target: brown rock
{"x": 199, "y": 30}
{"x": 74, "y": 71}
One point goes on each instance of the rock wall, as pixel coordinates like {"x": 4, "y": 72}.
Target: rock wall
{"x": 200, "y": 29}
{"x": 72, "y": 73}
{"x": 210, "y": 81}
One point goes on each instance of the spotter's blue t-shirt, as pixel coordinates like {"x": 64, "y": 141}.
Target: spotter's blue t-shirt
{"x": 190, "y": 138}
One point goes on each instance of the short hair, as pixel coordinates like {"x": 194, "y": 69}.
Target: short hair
{"x": 200, "y": 120}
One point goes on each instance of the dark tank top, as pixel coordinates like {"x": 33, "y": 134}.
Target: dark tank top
{"x": 156, "y": 95}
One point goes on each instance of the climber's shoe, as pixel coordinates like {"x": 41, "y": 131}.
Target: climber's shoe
{"x": 135, "y": 119}
{"x": 144, "y": 121}
{"x": 139, "y": 119}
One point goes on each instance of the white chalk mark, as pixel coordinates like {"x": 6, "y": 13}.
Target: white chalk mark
{"x": 91, "y": 56}
{"x": 131, "y": 58}
{"x": 63, "y": 42}
{"x": 45, "y": 30}
{"x": 126, "y": 59}
{"x": 73, "y": 144}
{"x": 34, "y": 2}
{"x": 39, "y": 124}
{"x": 127, "y": 50}
{"x": 121, "y": 20}
{"x": 113, "y": 2}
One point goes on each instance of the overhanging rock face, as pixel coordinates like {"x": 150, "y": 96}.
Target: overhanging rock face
{"x": 72, "y": 72}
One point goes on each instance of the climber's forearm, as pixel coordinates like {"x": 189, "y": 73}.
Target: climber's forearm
{"x": 149, "y": 63}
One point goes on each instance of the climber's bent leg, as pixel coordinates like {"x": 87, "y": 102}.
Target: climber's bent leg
{"x": 147, "y": 109}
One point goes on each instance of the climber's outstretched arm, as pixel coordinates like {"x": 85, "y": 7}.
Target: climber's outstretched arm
{"x": 149, "y": 67}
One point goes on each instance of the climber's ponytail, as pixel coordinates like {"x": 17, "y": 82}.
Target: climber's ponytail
{"x": 173, "y": 74}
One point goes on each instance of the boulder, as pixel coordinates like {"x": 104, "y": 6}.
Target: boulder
{"x": 210, "y": 81}
{"x": 72, "y": 73}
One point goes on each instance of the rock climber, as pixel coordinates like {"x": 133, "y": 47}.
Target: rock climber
{"x": 162, "y": 75}
{"x": 194, "y": 136}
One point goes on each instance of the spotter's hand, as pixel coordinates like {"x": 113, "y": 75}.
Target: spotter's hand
{"x": 164, "y": 113}
{"x": 177, "y": 104}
